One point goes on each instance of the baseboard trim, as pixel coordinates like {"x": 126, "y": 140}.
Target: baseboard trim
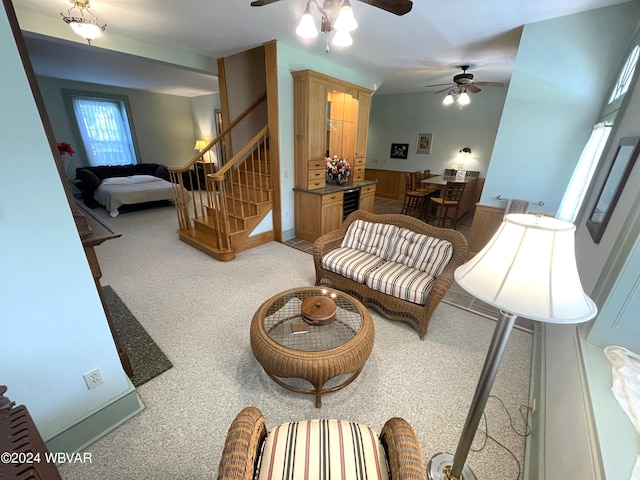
{"x": 97, "y": 424}
{"x": 534, "y": 447}
{"x": 288, "y": 234}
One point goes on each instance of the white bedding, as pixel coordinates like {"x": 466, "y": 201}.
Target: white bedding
{"x": 114, "y": 192}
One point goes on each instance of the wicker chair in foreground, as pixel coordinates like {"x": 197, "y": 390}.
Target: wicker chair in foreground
{"x": 403, "y": 263}
{"x": 319, "y": 449}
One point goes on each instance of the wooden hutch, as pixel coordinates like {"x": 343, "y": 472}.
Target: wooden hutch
{"x": 331, "y": 117}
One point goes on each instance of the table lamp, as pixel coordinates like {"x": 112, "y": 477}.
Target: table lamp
{"x": 527, "y": 269}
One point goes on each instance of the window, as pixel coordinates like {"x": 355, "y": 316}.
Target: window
{"x": 590, "y": 157}
{"x": 577, "y": 189}
{"x": 626, "y": 74}
{"x": 104, "y": 127}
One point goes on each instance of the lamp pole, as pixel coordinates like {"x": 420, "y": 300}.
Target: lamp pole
{"x": 445, "y": 466}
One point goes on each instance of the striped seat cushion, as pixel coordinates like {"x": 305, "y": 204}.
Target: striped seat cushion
{"x": 401, "y": 281}
{"x": 351, "y": 263}
{"x": 373, "y": 238}
{"x": 421, "y": 252}
{"x": 323, "y": 450}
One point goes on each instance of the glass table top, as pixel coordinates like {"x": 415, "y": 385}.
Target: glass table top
{"x": 284, "y": 313}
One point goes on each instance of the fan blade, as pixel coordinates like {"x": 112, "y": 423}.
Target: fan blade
{"x": 490, "y": 84}
{"x": 471, "y": 87}
{"x": 443, "y": 90}
{"x": 397, "y": 7}
{"x": 441, "y": 85}
{"x": 262, "y": 3}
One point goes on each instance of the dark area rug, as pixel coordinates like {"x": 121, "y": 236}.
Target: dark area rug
{"x": 147, "y": 360}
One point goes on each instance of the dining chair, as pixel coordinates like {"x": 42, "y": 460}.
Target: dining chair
{"x": 414, "y": 199}
{"x": 439, "y": 207}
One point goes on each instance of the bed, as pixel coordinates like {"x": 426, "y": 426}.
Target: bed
{"x": 114, "y": 192}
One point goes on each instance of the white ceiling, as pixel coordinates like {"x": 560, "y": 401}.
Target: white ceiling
{"x": 406, "y": 53}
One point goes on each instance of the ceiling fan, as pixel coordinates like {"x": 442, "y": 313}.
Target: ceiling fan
{"x": 464, "y": 82}
{"x": 397, "y": 7}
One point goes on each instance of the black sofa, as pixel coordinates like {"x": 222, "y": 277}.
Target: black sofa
{"x": 90, "y": 177}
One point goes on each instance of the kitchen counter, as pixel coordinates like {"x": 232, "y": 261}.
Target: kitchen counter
{"x": 333, "y": 188}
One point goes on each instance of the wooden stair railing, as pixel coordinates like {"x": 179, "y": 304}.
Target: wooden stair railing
{"x": 217, "y": 210}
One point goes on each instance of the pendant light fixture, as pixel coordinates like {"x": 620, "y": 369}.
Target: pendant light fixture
{"x": 461, "y": 97}
{"x": 448, "y": 100}
{"x": 87, "y": 27}
{"x": 336, "y": 15}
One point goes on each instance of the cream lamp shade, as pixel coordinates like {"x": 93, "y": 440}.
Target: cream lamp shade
{"x": 528, "y": 269}
{"x": 200, "y": 144}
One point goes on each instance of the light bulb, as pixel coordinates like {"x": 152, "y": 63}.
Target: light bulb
{"x": 464, "y": 99}
{"x": 342, "y": 39}
{"x": 307, "y": 26}
{"x": 448, "y": 100}
{"x": 345, "y": 21}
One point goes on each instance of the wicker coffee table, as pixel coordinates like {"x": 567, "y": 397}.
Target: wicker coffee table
{"x": 318, "y": 354}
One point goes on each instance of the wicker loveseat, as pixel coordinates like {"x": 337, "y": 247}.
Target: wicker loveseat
{"x": 396, "y": 264}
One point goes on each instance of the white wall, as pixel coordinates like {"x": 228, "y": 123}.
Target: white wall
{"x": 562, "y": 70}
{"x": 594, "y": 256}
{"x": 53, "y": 328}
{"x": 617, "y": 321}
{"x": 400, "y": 118}
{"x": 203, "y": 109}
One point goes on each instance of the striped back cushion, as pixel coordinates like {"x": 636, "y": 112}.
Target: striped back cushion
{"x": 421, "y": 252}
{"x": 373, "y": 238}
{"x": 323, "y": 450}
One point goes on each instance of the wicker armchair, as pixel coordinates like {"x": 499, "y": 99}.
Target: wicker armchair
{"x": 393, "y": 308}
{"x": 243, "y": 445}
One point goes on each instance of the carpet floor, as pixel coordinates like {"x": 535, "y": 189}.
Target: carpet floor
{"x": 198, "y": 311}
{"x": 147, "y": 360}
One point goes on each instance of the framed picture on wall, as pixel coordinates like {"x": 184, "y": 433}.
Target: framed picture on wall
{"x": 399, "y": 150}
{"x": 423, "y": 144}
{"x": 624, "y": 158}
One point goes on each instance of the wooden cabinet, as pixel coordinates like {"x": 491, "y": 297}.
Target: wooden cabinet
{"x": 331, "y": 216}
{"x": 367, "y": 198}
{"x": 330, "y": 116}
{"x": 317, "y": 214}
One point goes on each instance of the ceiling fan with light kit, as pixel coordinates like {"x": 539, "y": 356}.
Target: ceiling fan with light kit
{"x": 462, "y": 85}
{"x": 337, "y": 15}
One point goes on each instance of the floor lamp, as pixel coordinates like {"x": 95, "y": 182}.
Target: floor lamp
{"x": 527, "y": 269}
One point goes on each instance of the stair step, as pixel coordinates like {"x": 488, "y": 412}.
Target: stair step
{"x": 261, "y": 180}
{"x": 207, "y": 224}
{"x": 250, "y": 194}
{"x": 207, "y": 244}
{"x": 240, "y": 208}
{"x": 256, "y": 166}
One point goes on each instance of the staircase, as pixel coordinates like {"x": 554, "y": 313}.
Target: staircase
{"x": 219, "y": 206}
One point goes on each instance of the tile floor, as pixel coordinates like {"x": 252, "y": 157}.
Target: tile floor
{"x": 456, "y": 295}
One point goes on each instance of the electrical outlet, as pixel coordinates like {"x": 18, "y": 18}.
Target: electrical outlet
{"x": 93, "y": 378}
